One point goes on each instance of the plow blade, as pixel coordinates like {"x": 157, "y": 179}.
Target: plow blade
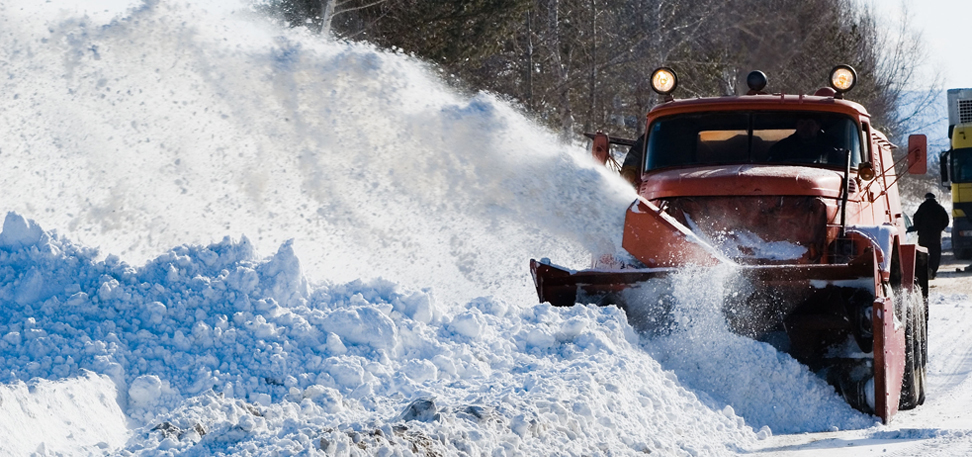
{"x": 564, "y": 287}
{"x": 659, "y": 241}
{"x": 816, "y": 307}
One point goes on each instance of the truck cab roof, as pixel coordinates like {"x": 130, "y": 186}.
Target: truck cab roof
{"x": 763, "y": 102}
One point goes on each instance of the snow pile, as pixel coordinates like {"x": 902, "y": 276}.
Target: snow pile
{"x": 76, "y": 416}
{"x": 212, "y": 348}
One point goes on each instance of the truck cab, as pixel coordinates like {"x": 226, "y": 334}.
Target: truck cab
{"x": 762, "y": 176}
{"x": 956, "y": 169}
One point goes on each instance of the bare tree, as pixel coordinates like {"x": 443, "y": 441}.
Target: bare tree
{"x": 560, "y": 68}
{"x": 899, "y": 56}
{"x": 585, "y": 64}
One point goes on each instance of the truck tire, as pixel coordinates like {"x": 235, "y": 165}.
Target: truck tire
{"x": 923, "y": 348}
{"x": 911, "y": 382}
{"x": 921, "y": 279}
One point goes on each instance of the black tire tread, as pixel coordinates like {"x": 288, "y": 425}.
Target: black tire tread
{"x": 911, "y": 381}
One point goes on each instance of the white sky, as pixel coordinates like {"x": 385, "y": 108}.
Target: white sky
{"x": 944, "y": 26}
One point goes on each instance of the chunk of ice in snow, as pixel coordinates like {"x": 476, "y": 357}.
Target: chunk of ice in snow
{"x": 145, "y": 391}
{"x": 423, "y": 410}
{"x": 469, "y": 324}
{"x": 19, "y": 232}
{"x": 764, "y": 433}
{"x": 363, "y": 326}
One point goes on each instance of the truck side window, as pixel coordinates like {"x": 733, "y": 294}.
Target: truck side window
{"x": 961, "y": 165}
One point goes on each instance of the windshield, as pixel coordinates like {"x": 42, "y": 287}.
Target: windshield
{"x": 962, "y": 165}
{"x": 717, "y": 138}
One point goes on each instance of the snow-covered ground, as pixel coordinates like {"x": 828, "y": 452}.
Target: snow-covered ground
{"x": 221, "y": 237}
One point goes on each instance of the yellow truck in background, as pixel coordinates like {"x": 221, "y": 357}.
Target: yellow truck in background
{"x": 956, "y": 169}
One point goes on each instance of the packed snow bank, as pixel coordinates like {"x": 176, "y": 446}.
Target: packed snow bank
{"x": 177, "y": 123}
{"x": 213, "y": 348}
{"x": 77, "y": 416}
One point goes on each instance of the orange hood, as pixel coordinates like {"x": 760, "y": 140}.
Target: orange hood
{"x": 742, "y": 180}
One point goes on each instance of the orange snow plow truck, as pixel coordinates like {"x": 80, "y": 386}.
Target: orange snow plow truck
{"x": 798, "y": 194}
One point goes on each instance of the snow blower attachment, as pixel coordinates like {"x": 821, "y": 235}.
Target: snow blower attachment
{"x": 797, "y": 195}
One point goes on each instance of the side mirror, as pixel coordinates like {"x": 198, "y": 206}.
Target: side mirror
{"x": 943, "y": 167}
{"x": 600, "y": 149}
{"x": 917, "y": 154}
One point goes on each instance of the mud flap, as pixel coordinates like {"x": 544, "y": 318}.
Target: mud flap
{"x": 914, "y": 267}
{"x": 889, "y": 356}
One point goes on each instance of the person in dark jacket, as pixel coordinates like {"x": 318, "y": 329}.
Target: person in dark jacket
{"x": 929, "y": 221}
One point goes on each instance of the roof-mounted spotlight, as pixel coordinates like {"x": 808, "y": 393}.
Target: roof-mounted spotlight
{"x": 664, "y": 81}
{"x": 756, "y": 80}
{"x": 843, "y": 78}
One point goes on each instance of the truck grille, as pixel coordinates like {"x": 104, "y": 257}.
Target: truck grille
{"x": 763, "y": 230}
{"x": 965, "y": 111}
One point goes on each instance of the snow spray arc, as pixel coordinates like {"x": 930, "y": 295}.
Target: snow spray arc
{"x": 765, "y": 386}
{"x": 173, "y": 123}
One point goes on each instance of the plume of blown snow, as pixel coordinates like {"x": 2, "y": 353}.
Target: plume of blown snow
{"x": 174, "y": 123}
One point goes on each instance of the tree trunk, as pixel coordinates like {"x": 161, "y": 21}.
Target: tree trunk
{"x": 560, "y": 70}
{"x": 592, "y": 101}
{"x": 327, "y": 13}
{"x": 529, "y": 61}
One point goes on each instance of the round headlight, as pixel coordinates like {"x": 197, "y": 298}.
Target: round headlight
{"x": 663, "y": 80}
{"x": 843, "y": 78}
